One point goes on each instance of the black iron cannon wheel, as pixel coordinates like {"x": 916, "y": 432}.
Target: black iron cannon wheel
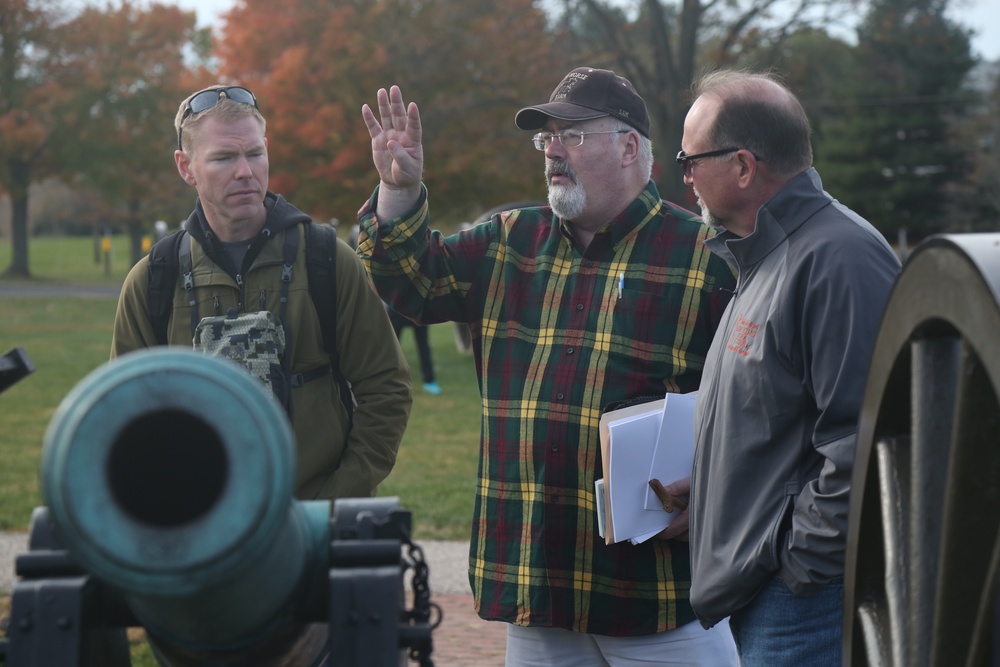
{"x": 923, "y": 548}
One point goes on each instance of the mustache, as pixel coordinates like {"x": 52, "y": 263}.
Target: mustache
{"x": 558, "y": 166}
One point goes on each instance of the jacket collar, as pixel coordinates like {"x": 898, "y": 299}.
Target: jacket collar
{"x": 777, "y": 219}
{"x": 280, "y": 216}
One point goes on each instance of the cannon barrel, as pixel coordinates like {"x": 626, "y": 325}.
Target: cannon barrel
{"x": 169, "y": 476}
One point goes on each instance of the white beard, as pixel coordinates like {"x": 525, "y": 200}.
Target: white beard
{"x": 568, "y": 202}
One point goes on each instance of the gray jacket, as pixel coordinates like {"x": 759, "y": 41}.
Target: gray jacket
{"x": 777, "y": 409}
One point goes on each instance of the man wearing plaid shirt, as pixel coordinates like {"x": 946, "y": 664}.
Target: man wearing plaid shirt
{"x": 605, "y": 295}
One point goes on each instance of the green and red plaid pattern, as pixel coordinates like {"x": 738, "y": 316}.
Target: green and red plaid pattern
{"x": 559, "y": 333}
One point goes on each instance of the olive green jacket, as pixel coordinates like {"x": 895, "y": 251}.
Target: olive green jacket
{"x": 330, "y": 462}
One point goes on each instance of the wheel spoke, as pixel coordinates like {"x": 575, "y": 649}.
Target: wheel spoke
{"x": 933, "y": 391}
{"x": 893, "y": 457}
{"x": 871, "y": 623}
{"x": 963, "y": 614}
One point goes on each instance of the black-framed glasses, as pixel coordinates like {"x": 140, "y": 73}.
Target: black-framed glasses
{"x": 687, "y": 161}
{"x": 568, "y": 138}
{"x": 208, "y": 98}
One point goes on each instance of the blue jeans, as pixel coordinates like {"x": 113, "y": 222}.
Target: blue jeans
{"x": 781, "y": 628}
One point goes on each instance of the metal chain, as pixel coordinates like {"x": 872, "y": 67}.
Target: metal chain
{"x": 420, "y": 651}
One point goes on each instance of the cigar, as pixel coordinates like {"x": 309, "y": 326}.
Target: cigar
{"x": 669, "y": 502}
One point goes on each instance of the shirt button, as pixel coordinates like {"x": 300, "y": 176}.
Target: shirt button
{"x": 560, "y": 396}
{"x": 555, "y": 448}
{"x": 569, "y": 351}
{"x": 579, "y": 306}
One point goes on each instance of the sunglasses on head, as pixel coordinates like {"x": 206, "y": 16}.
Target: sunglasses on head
{"x": 208, "y": 98}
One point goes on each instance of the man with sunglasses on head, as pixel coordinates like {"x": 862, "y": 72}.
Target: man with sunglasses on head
{"x": 605, "y": 295}
{"x": 245, "y": 242}
{"x": 777, "y": 410}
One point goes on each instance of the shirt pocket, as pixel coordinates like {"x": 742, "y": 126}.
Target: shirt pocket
{"x": 644, "y": 328}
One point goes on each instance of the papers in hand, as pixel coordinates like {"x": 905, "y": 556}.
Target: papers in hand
{"x": 640, "y": 443}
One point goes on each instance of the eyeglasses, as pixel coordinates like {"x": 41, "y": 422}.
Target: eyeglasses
{"x": 204, "y": 100}
{"x": 568, "y": 138}
{"x": 687, "y": 161}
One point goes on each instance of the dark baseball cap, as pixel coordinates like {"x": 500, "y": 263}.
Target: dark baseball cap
{"x": 587, "y": 93}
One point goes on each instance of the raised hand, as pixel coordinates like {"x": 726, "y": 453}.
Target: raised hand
{"x": 396, "y": 149}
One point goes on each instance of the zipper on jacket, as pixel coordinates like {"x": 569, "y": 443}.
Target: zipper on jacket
{"x": 241, "y": 301}
{"x": 741, "y": 276}
{"x": 263, "y": 299}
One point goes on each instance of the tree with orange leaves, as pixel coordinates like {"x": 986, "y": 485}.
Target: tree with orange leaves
{"x": 90, "y": 94}
{"x": 313, "y": 64}
{"x": 134, "y": 61}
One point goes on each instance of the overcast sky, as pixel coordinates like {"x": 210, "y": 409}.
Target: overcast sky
{"x": 981, "y": 15}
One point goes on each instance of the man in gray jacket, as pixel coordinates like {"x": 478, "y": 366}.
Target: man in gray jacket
{"x": 777, "y": 410}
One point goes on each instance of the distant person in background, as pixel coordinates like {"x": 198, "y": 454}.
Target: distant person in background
{"x": 420, "y": 332}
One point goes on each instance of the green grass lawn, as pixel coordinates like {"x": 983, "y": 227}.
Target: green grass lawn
{"x": 72, "y": 259}
{"x": 66, "y": 339}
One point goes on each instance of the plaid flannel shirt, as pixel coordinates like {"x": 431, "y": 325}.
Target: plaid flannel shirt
{"x": 555, "y": 341}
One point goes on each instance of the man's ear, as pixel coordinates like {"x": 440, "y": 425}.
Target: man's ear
{"x": 631, "y": 153}
{"x": 183, "y": 162}
{"x": 747, "y": 168}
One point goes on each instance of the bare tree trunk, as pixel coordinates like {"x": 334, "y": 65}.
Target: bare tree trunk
{"x": 662, "y": 76}
{"x": 20, "y": 179}
{"x": 135, "y": 231}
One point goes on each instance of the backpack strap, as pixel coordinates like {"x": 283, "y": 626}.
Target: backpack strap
{"x": 162, "y": 280}
{"x": 321, "y": 267}
{"x": 187, "y": 275}
{"x": 290, "y": 249}
{"x": 171, "y": 255}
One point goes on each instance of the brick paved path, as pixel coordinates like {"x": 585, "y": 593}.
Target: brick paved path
{"x": 465, "y": 640}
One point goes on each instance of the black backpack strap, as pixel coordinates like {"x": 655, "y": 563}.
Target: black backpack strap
{"x": 321, "y": 268}
{"x": 187, "y": 275}
{"x": 289, "y": 250}
{"x": 162, "y": 280}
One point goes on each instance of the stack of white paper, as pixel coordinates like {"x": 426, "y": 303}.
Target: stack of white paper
{"x": 640, "y": 443}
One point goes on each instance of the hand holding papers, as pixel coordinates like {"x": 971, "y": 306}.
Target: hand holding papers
{"x": 669, "y": 502}
{"x": 639, "y": 443}
{"x": 673, "y": 455}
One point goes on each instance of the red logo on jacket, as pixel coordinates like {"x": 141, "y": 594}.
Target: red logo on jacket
{"x": 742, "y": 336}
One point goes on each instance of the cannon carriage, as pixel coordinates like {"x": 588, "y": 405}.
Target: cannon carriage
{"x": 167, "y": 478}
